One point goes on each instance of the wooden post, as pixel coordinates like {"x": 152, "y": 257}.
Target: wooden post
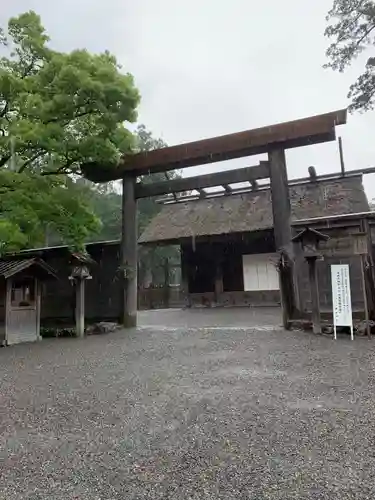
{"x": 282, "y": 230}
{"x": 166, "y": 283}
{"x": 185, "y": 278}
{"x": 219, "y": 286}
{"x": 129, "y": 252}
{"x": 80, "y": 307}
{"x": 299, "y": 262}
{"x": 341, "y": 152}
{"x": 365, "y": 301}
{"x": 369, "y": 270}
{"x": 38, "y": 295}
{"x": 314, "y": 291}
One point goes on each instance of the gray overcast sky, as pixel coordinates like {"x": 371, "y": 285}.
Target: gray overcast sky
{"x": 210, "y": 67}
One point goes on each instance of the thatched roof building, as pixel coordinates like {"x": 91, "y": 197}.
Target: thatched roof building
{"x": 252, "y": 211}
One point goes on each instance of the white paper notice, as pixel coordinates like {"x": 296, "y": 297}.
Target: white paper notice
{"x": 341, "y": 298}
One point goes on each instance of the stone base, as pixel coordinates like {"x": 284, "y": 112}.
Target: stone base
{"x": 129, "y": 320}
{"x": 101, "y": 328}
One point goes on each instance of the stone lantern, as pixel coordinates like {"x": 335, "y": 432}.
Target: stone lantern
{"x": 80, "y": 272}
{"x": 310, "y": 240}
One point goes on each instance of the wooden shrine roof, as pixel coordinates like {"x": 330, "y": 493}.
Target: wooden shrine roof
{"x": 252, "y": 211}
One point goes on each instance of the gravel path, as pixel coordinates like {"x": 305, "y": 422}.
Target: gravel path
{"x": 188, "y": 414}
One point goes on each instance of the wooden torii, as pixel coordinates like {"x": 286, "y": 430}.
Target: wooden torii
{"x": 273, "y": 140}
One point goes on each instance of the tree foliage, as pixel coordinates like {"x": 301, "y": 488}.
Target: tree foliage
{"x": 31, "y": 204}
{"x": 57, "y": 111}
{"x": 352, "y": 30}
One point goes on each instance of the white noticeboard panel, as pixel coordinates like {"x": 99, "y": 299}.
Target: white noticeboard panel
{"x": 341, "y": 297}
{"x": 259, "y": 272}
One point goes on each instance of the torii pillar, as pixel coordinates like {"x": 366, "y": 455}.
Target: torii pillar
{"x": 129, "y": 257}
{"x": 282, "y": 231}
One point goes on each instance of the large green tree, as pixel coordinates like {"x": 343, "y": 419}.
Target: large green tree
{"x": 57, "y": 111}
{"x": 351, "y": 29}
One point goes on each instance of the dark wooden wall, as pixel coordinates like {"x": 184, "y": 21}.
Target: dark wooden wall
{"x": 202, "y": 258}
{"x": 103, "y": 294}
{"x": 103, "y": 291}
{"x": 337, "y": 250}
{"x": 324, "y": 280}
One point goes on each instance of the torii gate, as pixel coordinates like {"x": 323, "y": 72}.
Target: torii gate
{"x": 273, "y": 140}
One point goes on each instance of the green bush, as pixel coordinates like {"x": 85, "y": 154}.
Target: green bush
{"x": 57, "y": 332}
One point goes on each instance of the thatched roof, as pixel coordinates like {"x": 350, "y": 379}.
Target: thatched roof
{"x": 253, "y": 210}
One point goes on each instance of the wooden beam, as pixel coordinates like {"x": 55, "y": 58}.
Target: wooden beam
{"x": 291, "y": 134}
{"x": 199, "y": 182}
{"x": 297, "y": 133}
{"x": 129, "y": 253}
{"x": 262, "y": 187}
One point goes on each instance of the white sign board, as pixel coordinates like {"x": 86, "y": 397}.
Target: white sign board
{"x": 341, "y": 297}
{"x": 259, "y": 272}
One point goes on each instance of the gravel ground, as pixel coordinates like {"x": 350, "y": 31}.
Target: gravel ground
{"x": 188, "y": 413}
